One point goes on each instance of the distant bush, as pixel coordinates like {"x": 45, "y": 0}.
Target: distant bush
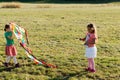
{"x": 11, "y": 5}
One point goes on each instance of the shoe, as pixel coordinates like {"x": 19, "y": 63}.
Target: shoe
{"x": 92, "y": 70}
{"x": 17, "y": 65}
{"x": 5, "y": 64}
{"x": 88, "y": 69}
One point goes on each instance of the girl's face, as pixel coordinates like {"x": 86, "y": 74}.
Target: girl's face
{"x": 8, "y": 29}
{"x": 90, "y": 30}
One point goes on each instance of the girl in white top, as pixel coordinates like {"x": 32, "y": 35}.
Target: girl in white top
{"x": 91, "y": 50}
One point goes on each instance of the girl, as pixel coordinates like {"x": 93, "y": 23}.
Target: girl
{"x": 91, "y": 50}
{"x": 10, "y": 49}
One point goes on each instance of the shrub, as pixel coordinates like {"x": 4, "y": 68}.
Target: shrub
{"x": 11, "y": 5}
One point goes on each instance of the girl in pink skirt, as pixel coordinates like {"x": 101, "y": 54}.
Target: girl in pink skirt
{"x": 91, "y": 50}
{"x": 10, "y": 49}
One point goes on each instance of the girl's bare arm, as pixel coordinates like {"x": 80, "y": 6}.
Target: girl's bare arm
{"x": 82, "y": 39}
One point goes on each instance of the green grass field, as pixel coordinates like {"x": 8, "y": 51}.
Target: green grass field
{"x": 52, "y": 30}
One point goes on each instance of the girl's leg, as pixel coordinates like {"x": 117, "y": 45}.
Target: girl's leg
{"x": 8, "y": 59}
{"x": 89, "y": 63}
{"x": 15, "y": 60}
{"x": 92, "y": 64}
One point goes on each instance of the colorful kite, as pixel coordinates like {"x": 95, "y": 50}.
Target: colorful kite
{"x": 19, "y": 32}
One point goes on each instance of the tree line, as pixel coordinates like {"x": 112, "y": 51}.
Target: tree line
{"x": 63, "y": 1}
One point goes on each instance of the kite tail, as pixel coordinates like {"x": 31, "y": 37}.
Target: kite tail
{"x": 36, "y": 60}
{"x": 26, "y": 48}
{"x": 18, "y": 31}
{"x": 48, "y": 65}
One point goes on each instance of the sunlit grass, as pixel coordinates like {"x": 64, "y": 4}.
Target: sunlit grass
{"x": 52, "y": 34}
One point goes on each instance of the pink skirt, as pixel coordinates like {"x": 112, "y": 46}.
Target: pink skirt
{"x": 11, "y": 50}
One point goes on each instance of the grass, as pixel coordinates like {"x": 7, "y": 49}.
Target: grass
{"x": 52, "y": 35}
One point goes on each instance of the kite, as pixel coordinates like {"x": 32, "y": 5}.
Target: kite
{"x": 19, "y": 33}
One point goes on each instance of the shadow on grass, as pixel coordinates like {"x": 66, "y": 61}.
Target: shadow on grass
{"x": 6, "y": 69}
{"x": 78, "y": 74}
{"x": 11, "y": 67}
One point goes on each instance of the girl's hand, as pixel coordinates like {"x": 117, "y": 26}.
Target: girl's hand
{"x": 80, "y": 39}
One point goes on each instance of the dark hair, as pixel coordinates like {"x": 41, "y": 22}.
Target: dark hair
{"x": 92, "y": 26}
{"x": 7, "y": 26}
